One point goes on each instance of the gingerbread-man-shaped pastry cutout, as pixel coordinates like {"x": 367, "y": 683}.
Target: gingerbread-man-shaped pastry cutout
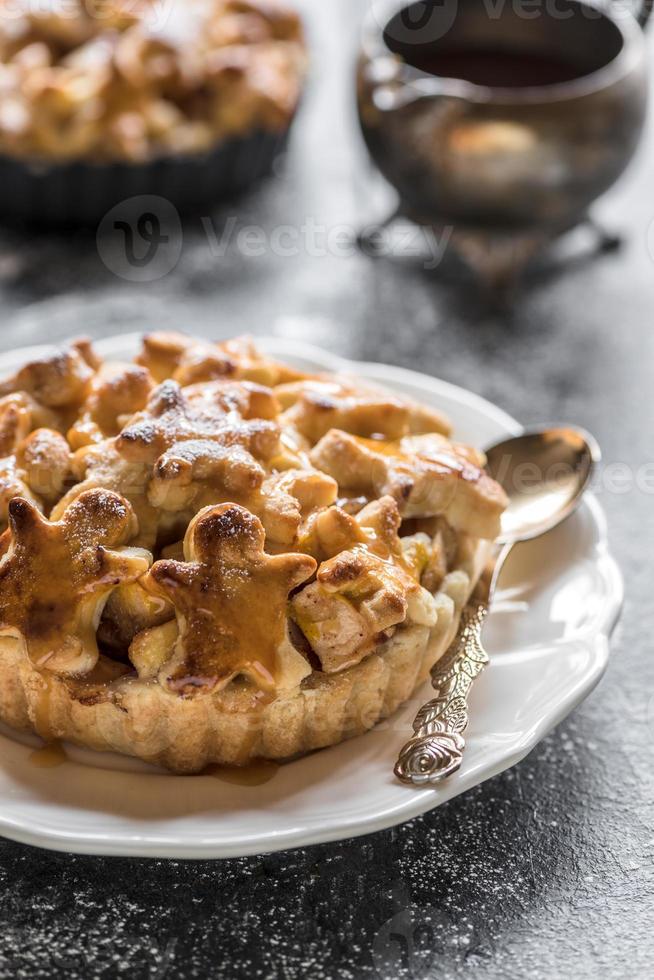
{"x": 230, "y": 599}
{"x": 56, "y": 577}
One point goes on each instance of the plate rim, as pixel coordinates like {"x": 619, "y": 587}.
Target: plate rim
{"x": 418, "y": 801}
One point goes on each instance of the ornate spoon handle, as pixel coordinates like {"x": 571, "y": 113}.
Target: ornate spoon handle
{"x": 436, "y": 749}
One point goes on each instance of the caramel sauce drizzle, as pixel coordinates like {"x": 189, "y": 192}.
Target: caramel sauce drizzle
{"x": 41, "y": 708}
{"x": 256, "y": 774}
{"x": 49, "y": 756}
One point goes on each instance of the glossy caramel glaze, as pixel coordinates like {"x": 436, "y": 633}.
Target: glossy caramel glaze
{"x": 255, "y": 774}
{"x": 49, "y": 756}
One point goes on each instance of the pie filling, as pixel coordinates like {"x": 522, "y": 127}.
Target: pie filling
{"x": 206, "y": 516}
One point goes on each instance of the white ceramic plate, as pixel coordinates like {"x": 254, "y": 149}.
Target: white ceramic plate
{"x": 548, "y": 640}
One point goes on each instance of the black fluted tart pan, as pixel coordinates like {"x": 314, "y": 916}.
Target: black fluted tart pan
{"x": 80, "y": 193}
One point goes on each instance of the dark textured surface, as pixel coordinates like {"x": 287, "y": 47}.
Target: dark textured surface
{"x": 543, "y": 872}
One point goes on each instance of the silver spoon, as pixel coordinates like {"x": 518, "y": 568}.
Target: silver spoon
{"x": 544, "y": 474}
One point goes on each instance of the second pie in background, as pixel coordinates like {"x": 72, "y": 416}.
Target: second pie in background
{"x": 191, "y": 100}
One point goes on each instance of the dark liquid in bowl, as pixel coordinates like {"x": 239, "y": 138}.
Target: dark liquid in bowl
{"x": 496, "y": 68}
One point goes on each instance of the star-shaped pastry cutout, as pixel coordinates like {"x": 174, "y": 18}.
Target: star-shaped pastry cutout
{"x": 55, "y": 577}
{"x": 172, "y": 416}
{"x": 230, "y": 599}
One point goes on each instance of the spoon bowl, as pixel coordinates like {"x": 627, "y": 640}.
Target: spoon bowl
{"x": 544, "y": 473}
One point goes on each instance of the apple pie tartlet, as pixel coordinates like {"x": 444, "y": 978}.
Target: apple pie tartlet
{"x": 209, "y": 557}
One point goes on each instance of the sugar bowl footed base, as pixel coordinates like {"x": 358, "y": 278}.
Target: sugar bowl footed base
{"x": 498, "y": 258}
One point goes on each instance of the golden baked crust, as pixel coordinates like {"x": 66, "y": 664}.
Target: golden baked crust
{"x": 199, "y": 567}
{"x": 136, "y": 79}
{"x": 186, "y": 735}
